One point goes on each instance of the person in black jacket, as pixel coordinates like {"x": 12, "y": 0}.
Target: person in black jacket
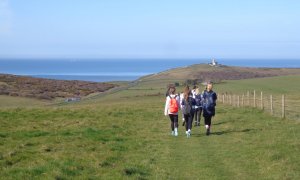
{"x": 209, "y": 103}
{"x": 198, "y": 108}
{"x": 188, "y": 103}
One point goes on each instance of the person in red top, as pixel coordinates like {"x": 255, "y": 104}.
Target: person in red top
{"x": 172, "y": 108}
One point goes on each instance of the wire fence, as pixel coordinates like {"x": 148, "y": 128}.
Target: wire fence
{"x": 276, "y": 105}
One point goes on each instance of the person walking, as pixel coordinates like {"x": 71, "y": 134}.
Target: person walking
{"x": 171, "y": 108}
{"x": 198, "y": 108}
{"x": 188, "y": 111}
{"x": 209, "y": 104}
{"x": 181, "y": 96}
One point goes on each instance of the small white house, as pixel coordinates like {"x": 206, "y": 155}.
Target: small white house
{"x": 72, "y": 99}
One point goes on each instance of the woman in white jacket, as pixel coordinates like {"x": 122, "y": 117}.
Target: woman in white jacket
{"x": 172, "y": 108}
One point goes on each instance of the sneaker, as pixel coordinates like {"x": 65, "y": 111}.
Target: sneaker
{"x": 189, "y": 133}
{"x": 173, "y": 133}
{"x": 207, "y": 132}
{"x": 176, "y": 132}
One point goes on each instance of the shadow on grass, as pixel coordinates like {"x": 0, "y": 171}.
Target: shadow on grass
{"x": 233, "y": 131}
{"x": 219, "y": 123}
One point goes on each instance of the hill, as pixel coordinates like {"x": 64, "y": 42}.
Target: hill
{"x": 204, "y": 72}
{"x": 124, "y": 135}
{"x": 41, "y": 88}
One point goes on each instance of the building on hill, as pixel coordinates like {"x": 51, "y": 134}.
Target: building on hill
{"x": 213, "y": 63}
{"x": 72, "y": 99}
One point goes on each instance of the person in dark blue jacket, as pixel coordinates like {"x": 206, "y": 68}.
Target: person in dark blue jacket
{"x": 188, "y": 105}
{"x": 209, "y": 104}
{"x": 198, "y": 108}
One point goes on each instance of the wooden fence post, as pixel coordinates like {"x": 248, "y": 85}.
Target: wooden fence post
{"x": 243, "y": 100}
{"x": 254, "y": 99}
{"x": 223, "y": 99}
{"x": 261, "y": 100}
{"x": 238, "y": 104}
{"x": 233, "y": 100}
{"x": 283, "y": 107}
{"x": 248, "y": 96}
{"x": 230, "y": 100}
{"x": 271, "y": 104}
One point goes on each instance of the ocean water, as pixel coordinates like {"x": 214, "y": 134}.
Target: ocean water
{"x": 103, "y": 70}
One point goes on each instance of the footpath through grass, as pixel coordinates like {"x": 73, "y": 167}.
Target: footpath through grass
{"x": 132, "y": 141}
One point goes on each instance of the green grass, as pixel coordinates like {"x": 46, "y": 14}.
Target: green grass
{"x": 124, "y": 135}
{"x": 276, "y": 85}
{"x": 14, "y": 102}
{"x": 132, "y": 141}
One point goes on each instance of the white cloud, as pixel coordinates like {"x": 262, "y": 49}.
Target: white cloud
{"x": 5, "y": 17}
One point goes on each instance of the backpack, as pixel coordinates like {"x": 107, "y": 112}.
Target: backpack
{"x": 173, "y": 105}
{"x": 187, "y": 108}
{"x": 198, "y": 99}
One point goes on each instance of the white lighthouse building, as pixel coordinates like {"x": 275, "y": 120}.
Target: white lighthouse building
{"x": 214, "y": 63}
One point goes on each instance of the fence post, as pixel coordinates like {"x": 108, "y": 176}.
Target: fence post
{"x": 223, "y": 99}
{"x": 271, "y": 104}
{"x": 233, "y": 100}
{"x": 261, "y": 100}
{"x": 230, "y": 100}
{"x": 238, "y": 104}
{"x": 248, "y": 96}
{"x": 283, "y": 107}
{"x": 243, "y": 100}
{"x": 227, "y": 99}
{"x": 254, "y": 99}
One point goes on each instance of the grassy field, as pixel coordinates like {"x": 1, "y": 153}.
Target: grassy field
{"x": 15, "y": 102}
{"x": 275, "y": 86}
{"x": 124, "y": 135}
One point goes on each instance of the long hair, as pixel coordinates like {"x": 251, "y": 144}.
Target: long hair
{"x": 172, "y": 90}
{"x": 186, "y": 93}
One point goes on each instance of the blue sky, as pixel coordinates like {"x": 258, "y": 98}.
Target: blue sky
{"x": 236, "y": 29}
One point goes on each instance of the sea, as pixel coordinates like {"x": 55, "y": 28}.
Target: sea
{"x": 108, "y": 70}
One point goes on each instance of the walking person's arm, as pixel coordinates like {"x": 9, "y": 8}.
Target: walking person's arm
{"x": 178, "y": 101}
{"x": 167, "y": 105}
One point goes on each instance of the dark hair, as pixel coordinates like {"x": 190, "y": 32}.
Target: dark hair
{"x": 172, "y": 90}
{"x": 186, "y": 93}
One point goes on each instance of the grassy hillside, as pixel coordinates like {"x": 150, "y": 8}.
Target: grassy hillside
{"x": 49, "y": 89}
{"x": 117, "y": 141}
{"x": 14, "y": 102}
{"x": 124, "y": 135}
{"x": 207, "y": 72}
{"x": 275, "y": 86}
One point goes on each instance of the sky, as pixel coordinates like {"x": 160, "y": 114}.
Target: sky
{"x": 261, "y": 29}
